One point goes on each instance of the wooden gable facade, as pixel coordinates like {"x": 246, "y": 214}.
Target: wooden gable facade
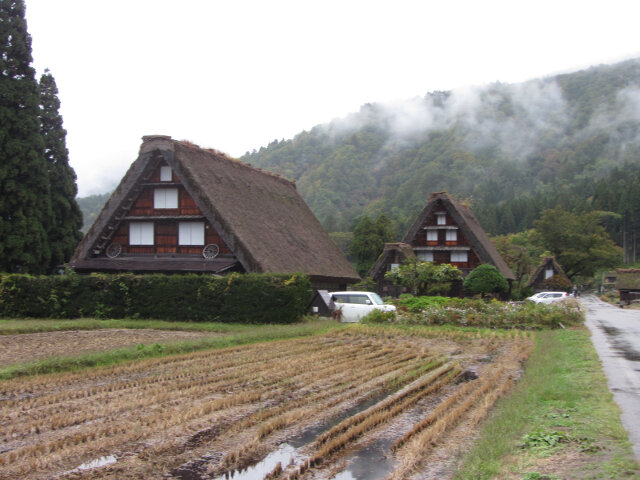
{"x": 445, "y": 231}
{"x": 181, "y": 208}
{"x": 165, "y": 220}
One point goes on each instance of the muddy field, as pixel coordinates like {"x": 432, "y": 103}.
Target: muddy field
{"x": 28, "y": 347}
{"x": 360, "y": 403}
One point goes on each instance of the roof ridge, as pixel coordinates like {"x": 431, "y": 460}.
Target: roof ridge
{"x": 223, "y": 156}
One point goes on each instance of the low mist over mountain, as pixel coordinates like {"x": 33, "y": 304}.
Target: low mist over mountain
{"x": 512, "y": 150}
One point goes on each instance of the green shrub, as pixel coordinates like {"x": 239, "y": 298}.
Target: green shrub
{"x": 378, "y": 316}
{"x": 236, "y": 298}
{"x": 479, "y": 313}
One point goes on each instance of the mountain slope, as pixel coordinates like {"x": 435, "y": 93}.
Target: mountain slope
{"x": 504, "y": 147}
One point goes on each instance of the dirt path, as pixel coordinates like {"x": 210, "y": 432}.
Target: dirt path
{"x": 27, "y": 347}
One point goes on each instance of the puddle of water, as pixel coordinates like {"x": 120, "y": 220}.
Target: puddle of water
{"x": 310, "y": 434}
{"x": 98, "y": 462}
{"x": 372, "y": 462}
{"x": 610, "y": 330}
{"x": 282, "y": 455}
{"x": 628, "y": 352}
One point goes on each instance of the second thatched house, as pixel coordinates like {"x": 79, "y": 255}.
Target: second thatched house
{"x": 181, "y": 208}
{"x": 445, "y": 231}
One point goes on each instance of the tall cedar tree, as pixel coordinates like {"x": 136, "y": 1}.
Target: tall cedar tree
{"x": 66, "y": 218}
{"x": 24, "y": 183}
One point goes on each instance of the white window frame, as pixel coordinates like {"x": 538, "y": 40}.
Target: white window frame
{"x": 141, "y": 233}
{"x": 548, "y": 273}
{"x": 442, "y": 219}
{"x": 425, "y": 256}
{"x": 165, "y": 173}
{"x": 165, "y": 198}
{"x": 432, "y": 235}
{"x": 459, "y": 257}
{"x": 191, "y": 233}
{"x": 452, "y": 235}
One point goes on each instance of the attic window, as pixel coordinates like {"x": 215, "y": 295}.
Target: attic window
{"x": 442, "y": 219}
{"x": 191, "y": 233}
{"x": 548, "y": 273}
{"x": 432, "y": 235}
{"x": 165, "y": 174}
{"x": 141, "y": 233}
{"x": 452, "y": 235}
{"x": 165, "y": 198}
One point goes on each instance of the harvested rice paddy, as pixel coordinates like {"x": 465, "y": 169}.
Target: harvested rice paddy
{"x": 361, "y": 402}
{"x": 27, "y": 347}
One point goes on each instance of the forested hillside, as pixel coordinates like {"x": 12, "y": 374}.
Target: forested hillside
{"x": 511, "y": 150}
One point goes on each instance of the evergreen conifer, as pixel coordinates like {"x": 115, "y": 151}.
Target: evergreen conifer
{"x": 66, "y": 218}
{"x": 24, "y": 184}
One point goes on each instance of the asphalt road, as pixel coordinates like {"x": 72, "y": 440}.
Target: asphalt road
{"x": 616, "y": 335}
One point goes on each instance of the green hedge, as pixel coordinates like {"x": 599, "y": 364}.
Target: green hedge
{"x": 235, "y": 298}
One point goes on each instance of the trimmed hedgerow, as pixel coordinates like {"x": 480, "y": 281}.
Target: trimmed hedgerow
{"x": 235, "y": 298}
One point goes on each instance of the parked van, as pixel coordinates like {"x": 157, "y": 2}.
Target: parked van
{"x": 355, "y": 305}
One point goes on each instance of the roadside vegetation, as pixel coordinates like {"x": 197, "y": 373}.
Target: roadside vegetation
{"x": 559, "y": 422}
{"x": 480, "y": 313}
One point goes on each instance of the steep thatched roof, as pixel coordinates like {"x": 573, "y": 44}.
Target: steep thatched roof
{"x": 403, "y": 250}
{"x": 546, "y": 262}
{"x": 628, "y": 279}
{"x": 259, "y": 215}
{"x": 469, "y": 226}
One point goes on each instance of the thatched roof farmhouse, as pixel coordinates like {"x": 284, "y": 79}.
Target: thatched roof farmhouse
{"x": 445, "y": 231}
{"x": 181, "y": 208}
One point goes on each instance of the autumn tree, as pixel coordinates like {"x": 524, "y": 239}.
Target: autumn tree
{"x": 25, "y": 204}
{"x": 66, "y": 218}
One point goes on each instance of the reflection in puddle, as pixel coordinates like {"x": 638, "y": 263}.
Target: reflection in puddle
{"x": 372, "y": 462}
{"x": 283, "y": 455}
{"x": 98, "y": 462}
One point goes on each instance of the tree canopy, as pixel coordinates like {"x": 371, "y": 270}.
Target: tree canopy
{"x": 368, "y": 242}
{"x": 425, "y": 278}
{"x": 578, "y": 241}
{"x": 25, "y": 205}
{"x": 39, "y": 219}
{"x": 485, "y": 279}
{"x": 65, "y": 221}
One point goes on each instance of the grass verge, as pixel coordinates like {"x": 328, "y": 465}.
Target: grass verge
{"x": 239, "y": 335}
{"x": 560, "y": 421}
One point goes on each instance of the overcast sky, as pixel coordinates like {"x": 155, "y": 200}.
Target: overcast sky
{"x": 235, "y": 75}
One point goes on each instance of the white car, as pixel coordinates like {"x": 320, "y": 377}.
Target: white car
{"x": 548, "y": 297}
{"x": 355, "y": 305}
